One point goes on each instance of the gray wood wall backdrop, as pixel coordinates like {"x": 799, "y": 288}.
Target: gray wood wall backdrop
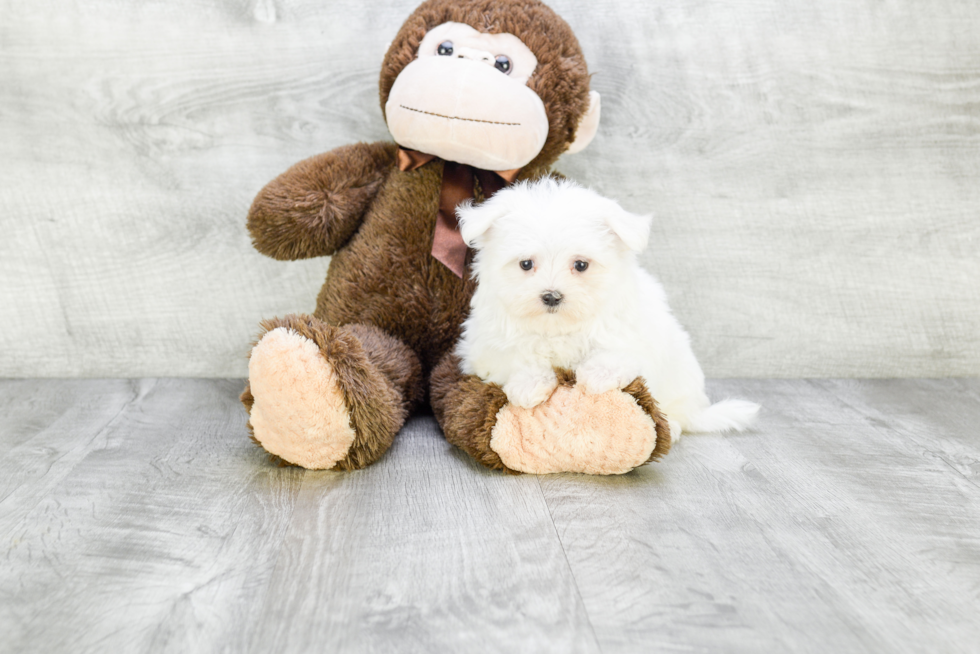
{"x": 814, "y": 168}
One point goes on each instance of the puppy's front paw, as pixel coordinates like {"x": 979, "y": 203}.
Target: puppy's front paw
{"x": 596, "y": 377}
{"x": 530, "y": 388}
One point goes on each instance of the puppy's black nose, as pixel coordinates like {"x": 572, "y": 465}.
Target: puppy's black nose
{"x": 551, "y": 298}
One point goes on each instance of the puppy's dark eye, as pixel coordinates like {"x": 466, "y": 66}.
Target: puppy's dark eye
{"x": 527, "y": 264}
{"x": 502, "y": 64}
{"x": 581, "y": 266}
{"x": 445, "y": 48}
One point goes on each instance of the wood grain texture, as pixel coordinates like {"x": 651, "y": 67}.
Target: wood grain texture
{"x": 426, "y": 551}
{"x": 137, "y": 516}
{"x": 846, "y": 522}
{"x": 813, "y": 168}
{"x": 141, "y": 519}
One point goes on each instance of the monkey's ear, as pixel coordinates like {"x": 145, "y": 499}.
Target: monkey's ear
{"x": 632, "y": 229}
{"x": 588, "y": 126}
{"x": 475, "y": 220}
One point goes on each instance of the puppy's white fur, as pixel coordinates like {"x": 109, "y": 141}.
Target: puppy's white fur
{"x": 612, "y": 324}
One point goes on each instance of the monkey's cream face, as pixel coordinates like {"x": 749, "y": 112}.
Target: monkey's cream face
{"x": 465, "y": 99}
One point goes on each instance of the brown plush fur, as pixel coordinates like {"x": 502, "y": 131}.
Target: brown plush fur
{"x": 642, "y": 396}
{"x": 467, "y": 410}
{"x": 386, "y": 275}
{"x": 313, "y": 208}
{"x": 388, "y": 311}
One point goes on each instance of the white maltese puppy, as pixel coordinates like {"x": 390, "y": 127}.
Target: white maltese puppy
{"x": 560, "y": 286}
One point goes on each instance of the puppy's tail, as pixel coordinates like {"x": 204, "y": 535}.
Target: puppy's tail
{"x": 725, "y": 416}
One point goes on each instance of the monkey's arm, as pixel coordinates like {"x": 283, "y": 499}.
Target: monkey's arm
{"x": 312, "y": 209}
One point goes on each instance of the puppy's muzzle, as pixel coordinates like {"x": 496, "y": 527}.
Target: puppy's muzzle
{"x": 551, "y": 299}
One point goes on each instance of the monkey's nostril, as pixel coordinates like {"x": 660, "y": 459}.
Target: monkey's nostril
{"x": 551, "y": 298}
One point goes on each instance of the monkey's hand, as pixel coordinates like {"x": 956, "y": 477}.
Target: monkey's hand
{"x": 312, "y": 209}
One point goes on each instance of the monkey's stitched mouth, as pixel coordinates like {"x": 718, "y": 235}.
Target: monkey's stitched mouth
{"x": 471, "y": 120}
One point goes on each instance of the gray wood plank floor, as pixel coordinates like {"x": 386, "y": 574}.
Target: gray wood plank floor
{"x": 136, "y": 516}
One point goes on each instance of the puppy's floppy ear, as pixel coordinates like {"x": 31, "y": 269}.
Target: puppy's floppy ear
{"x": 632, "y": 229}
{"x": 475, "y": 220}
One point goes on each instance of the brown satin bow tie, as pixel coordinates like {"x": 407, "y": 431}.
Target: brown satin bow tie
{"x": 457, "y": 186}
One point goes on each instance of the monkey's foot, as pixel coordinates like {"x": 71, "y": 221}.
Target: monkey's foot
{"x": 299, "y": 412}
{"x": 316, "y": 396}
{"x": 604, "y": 434}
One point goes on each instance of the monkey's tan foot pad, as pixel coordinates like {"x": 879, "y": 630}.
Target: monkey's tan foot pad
{"x": 607, "y": 434}
{"x": 299, "y": 412}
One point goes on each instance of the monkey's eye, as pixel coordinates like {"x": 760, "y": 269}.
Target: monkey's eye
{"x": 527, "y": 264}
{"x": 581, "y": 266}
{"x": 503, "y": 64}
{"x": 446, "y": 48}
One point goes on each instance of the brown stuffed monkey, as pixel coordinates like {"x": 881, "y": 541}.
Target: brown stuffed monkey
{"x": 477, "y": 94}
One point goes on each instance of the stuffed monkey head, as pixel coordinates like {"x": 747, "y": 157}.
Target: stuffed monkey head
{"x": 496, "y": 84}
